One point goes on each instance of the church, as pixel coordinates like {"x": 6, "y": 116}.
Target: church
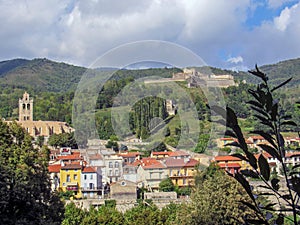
{"x": 38, "y": 128}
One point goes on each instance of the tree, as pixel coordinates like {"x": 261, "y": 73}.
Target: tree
{"x": 143, "y": 214}
{"x": 166, "y": 185}
{"x": 25, "y": 194}
{"x": 217, "y": 199}
{"x": 267, "y": 110}
{"x": 63, "y": 140}
{"x": 73, "y": 215}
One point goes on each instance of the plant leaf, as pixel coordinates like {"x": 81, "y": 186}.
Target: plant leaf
{"x": 264, "y": 167}
{"x": 274, "y": 184}
{"x": 282, "y": 84}
{"x": 289, "y": 122}
{"x": 266, "y": 136}
{"x": 272, "y": 151}
{"x": 249, "y": 173}
{"x": 240, "y": 178}
{"x": 240, "y": 157}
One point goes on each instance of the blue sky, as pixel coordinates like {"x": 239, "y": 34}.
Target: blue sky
{"x": 232, "y": 34}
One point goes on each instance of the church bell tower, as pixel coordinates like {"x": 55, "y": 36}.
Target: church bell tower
{"x": 26, "y": 108}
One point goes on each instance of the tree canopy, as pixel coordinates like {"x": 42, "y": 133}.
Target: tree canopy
{"x": 25, "y": 195}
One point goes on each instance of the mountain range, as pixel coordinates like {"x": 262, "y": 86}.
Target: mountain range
{"x": 45, "y": 75}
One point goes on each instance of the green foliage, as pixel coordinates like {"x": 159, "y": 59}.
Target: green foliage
{"x": 73, "y": 215}
{"x": 66, "y": 194}
{"x": 143, "y": 214}
{"x": 63, "y": 140}
{"x": 25, "y": 193}
{"x": 166, "y": 185}
{"x": 110, "y": 203}
{"x": 216, "y": 200}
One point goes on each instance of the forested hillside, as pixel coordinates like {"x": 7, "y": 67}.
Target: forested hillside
{"x": 52, "y": 85}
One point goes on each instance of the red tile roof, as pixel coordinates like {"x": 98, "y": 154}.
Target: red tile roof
{"x": 161, "y": 153}
{"x": 227, "y": 139}
{"x": 178, "y": 153}
{"x": 292, "y": 154}
{"x": 170, "y": 162}
{"x": 71, "y": 166}
{"x": 149, "y": 163}
{"x": 95, "y": 157}
{"x": 192, "y": 163}
{"x": 70, "y": 157}
{"x": 54, "y": 168}
{"x": 88, "y": 170}
{"x": 226, "y": 158}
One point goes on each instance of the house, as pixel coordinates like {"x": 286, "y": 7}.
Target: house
{"x": 222, "y": 142}
{"x": 123, "y": 190}
{"x": 130, "y": 172}
{"x": 54, "y": 171}
{"x": 230, "y": 163}
{"x": 150, "y": 172}
{"x": 113, "y": 166}
{"x": 70, "y": 177}
{"x": 181, "y": 171}
{"x": 159, "y": 155}
{"x": 130, "y": 157}
{"x": 179, "y": 154}
{"x": 91, "y": 182}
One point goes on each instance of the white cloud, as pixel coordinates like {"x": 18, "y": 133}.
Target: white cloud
{"x": 277, "y": 3}
{"x": 235, "y": 60}
{"x": 79, "y": 31}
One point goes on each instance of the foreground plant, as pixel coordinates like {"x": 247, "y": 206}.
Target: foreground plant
{"x": 267, "y": 111}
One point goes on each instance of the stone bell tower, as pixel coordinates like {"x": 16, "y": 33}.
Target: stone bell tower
{"x": 26, "y": 108}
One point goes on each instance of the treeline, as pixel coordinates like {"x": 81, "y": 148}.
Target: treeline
{"x": 143, "y": 112}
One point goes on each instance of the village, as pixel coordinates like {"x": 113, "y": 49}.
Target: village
{"x": 96, "y": 173}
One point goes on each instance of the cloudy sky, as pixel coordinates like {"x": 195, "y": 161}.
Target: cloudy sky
{"x": 224, "y": 33}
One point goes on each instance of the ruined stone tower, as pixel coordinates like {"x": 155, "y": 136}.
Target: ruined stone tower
{"x": 26, "y": 108}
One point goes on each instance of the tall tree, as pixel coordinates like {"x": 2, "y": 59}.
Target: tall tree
{"x": 25, "y": 194}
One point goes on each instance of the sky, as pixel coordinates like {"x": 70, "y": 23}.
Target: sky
{"x": 234, "y": 34}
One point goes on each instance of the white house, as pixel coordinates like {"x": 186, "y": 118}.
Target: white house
{"x": 91, "y": 182}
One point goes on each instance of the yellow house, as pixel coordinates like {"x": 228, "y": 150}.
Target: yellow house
{"x": 181, "y": 171}
{"x": 70, "y": 178}
{"x": 231, "y": 163}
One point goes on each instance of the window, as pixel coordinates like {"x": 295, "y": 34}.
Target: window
{"x": 116, "y": 164}
{"x": 91, "y": 186}
{"x": 91, "y": 177}
{"x": 68, "y": 178}
{"x": 85, "y": 176}
{"x": 75, "y": 176}
{"x": 110, "y": 172}
{"x": 117, "y": 172}
{"x": 110, "y": 165}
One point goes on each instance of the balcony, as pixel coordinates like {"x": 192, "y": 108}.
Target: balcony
{"x": 180, "y": 175}
{"x": 72, "y": 187}
{"x": 88, "y": 189}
